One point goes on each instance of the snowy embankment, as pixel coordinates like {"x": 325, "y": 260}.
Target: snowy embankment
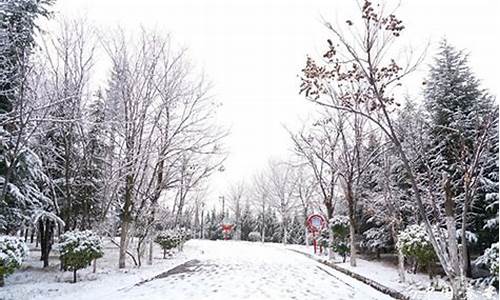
{"x": 34, "y": 282}
{"x": 417, "y": 286}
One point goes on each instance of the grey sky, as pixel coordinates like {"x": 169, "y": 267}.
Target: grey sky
{"x": 252, "y": 51}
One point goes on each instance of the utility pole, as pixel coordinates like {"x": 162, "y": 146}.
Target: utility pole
{"x": 202, "y": 234}
{"x": 223, "y": 207}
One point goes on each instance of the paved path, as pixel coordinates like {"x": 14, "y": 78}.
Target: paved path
{"x": 244, "y": 270}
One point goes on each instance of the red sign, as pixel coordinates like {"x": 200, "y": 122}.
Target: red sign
{"x": 315, "y": 223}
{"x": 227, "y": 227}
{"x": 226, "y": 230}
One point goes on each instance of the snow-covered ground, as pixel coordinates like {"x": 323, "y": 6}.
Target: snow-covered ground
{"x": 205, "y": 270}
{"x": 417, "y": 286}
{"x": 34, "y": 282}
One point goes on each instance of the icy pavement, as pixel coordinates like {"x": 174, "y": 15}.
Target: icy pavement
{"x": 244, "y": 270}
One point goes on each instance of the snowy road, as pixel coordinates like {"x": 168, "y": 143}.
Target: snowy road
{"x": 244, "y": 270}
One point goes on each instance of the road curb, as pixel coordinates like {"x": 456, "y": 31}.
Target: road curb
{"x": 379, "y": 287}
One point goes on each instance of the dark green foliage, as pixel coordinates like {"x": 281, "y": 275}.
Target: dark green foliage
{"x": 458, "y": 111}
{"x": 78, "y": 249}
{"x": 296, "y": 231}
{"x": 339, "y": 225}
{"x": 248, "y": 223}
{"x": 168, "y": 240}
{"x": 414, "y": 243}
{"x": 214, "y": 226}
{"x": 12, "y": 253}
{"x": 22, "y": 182}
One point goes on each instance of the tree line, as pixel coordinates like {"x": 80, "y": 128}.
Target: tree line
{"x": 120, "y": 155}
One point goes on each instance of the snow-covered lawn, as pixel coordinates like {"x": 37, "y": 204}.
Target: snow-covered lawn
{"x": 416, "y": 285}
{"x": 205, "y": 270}
{"x": 34, "y": 282}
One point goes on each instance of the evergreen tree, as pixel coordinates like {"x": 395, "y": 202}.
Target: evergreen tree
{"x": 91, "y": 193}
{"x": 214, "y": 225}
{"x": 460, "y": 114}
{"x": 22, "y": 181}
{"x": 296, "y": 231}
{"x": 248, "y": 222}
{"x": 272, "y": 227}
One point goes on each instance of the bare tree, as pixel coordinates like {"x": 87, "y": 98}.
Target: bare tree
{"x": 305, "y": 192}
{"x": 282, "y": 187}
{"x": 261, "y": 195}
{"x": 68, "y": 58}
{"x": 360, "y": 76}
{"x": 166, "y": 137}
{"x": 318, "y": 147}
{"x": 235, "y": 196}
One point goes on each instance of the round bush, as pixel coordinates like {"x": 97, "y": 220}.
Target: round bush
{"x": 12, "y": 253}
{"x": 339, "y": 225}
{"x": 414, "y": 242}
{"x": 168, "y": 239}
{"x": 254, "y": 236}
{"x": 77, "y": 249}
{"x": 489, "y": 259}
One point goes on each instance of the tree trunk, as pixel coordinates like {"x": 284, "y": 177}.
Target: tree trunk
{"x": 150, "y": 255}
{"x": 466, "y": 265}
{"x": 263, "y": 229}
{"x": 401, "y": 258}
{"x": 2, "y": 281}
{"x": 352, "y": 219}
{"x": 123, "y": 243}
{"x": 430, "y": 271}
{"x": 455, "y": 273}
{"x": 126, "y": 219}
{"x": 74, "y": 276}
{"x": 45, "y": 241}
{"x": 94, "y": 266}
{"x": 306, "y": 236}
{"x": 285, "y": 234}
{"x": 331, "y": 255}
{"x": 401, "y": 266}
{"x": 202, "y": 234}
{"x": 352, "y": 233}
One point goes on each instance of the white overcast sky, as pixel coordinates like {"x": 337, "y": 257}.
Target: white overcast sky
{"x": 253, "y": 50}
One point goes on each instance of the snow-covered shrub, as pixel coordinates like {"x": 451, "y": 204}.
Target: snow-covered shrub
{"x": 414, "y": 242}
{"x": 323, "y": 238}
{"x": 339, "y": 225}
{"x": 376, "y": 239}
{"x": 77, "y": 249}
{"x": 254, "y": 236}
{"x": 168, "y": 240}
{"x": 12, "y": 253}
{"x": 185, "y": 234}
{"x": 489, "y": 259}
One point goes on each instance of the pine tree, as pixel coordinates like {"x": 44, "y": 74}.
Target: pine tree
{"x": 272, "y": 227}
{"x": 248, "y": 222}
{"x": 91, "y": 193}
{"x": 461, "y": 115}
{"x": 22, "y": 182}
{"x": 296, "y": 231}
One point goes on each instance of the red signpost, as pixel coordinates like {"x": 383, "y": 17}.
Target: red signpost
{"x": 315, "y": 223}
{"x": 226, "y": 230}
